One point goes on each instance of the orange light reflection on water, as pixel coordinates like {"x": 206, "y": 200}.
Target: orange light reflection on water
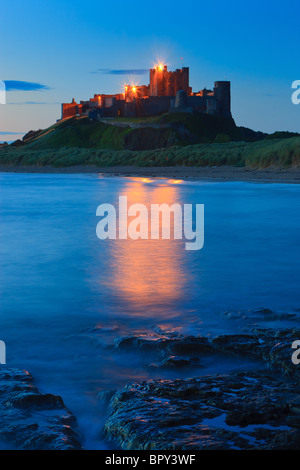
{"x": 148, "y": 272}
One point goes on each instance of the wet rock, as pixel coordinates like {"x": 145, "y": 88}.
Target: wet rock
{"x": 288, "y": 440}
{"x": 238, "y": 410}
{"x": 295, "y": 406}
{"x": 273, "y": 347}
{"x": 33, "y": 420}
{"x": 235, "y": 411}
{"x": 176, "y": 362}
{"x": 190, "y": 345}
{"x": 260, "y": 315}
{"x": 166, "y": 346}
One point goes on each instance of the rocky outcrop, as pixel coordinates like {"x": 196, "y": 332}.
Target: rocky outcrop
{"x": 248, "y": 409}
{"x": 236, "y": 411}
{"x": 260, "y": 315}
{"x": 31, "y": 135}
{"x": 273, "y": 347}
{"x": 166, "y": 344}
{"x": 149, "y": 139}
{"x": 254, "y": 409}
{"x": 270, "y": 346}
{"x": 33, "y": 420}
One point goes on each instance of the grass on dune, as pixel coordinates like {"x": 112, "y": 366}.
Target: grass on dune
{"x": 260, "y": 154}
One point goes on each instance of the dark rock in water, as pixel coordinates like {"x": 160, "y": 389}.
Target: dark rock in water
{"x": 261, "y": 315}
{"x": 166, "y": 346}
{"x": 270, "y": 346}
{"x": 190, "y": 345}
{"x": 33, "y": 420}
{"x": 246, "y": 410}
{"x": 176, "y": 362}
{"x": 235, "y": 411}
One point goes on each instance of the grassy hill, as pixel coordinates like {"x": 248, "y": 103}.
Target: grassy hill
{"x": 172, "y": 139}
{"x": 148, "y": 133}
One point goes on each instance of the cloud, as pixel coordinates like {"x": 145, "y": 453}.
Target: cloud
{"x": 123, "y": 71}
{"x": 17, "y": 85}
{"x": 10, "y": 133}
{"x": 32, "y": 102}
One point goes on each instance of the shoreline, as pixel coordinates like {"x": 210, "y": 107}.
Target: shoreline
{"x": 221, "y": 173}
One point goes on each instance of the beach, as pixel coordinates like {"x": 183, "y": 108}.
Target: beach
{"x": 220, "y": 173}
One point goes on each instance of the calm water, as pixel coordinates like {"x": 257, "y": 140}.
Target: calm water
{"x": 64, "y": 293}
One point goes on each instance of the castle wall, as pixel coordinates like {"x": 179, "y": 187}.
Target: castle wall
{"x": 153, "y": 105}
{"x": 198, "y": 103}
{"x": 216, "y": 102}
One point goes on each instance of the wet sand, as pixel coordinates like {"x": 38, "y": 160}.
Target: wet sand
{"x": 221, "y": 173}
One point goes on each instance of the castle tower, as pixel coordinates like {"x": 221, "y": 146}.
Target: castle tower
{"x": 185, "y": 79}
{"x": 164, "y": 83}
{"x": 158, "y": 80}
{"x": 223, "y": 94}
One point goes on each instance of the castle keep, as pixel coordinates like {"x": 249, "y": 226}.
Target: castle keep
{"x": 167, "y": 92}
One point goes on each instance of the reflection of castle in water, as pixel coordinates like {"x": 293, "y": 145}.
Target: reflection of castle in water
{"x": 149, "y": 272}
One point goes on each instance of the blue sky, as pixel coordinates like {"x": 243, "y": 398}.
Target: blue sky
{"x": 60, "y": 46}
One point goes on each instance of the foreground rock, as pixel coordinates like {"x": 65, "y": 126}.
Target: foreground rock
{"x": 254, "y": 409}
{"x": 235, "y": 411}
{"x": 33, "y": 420}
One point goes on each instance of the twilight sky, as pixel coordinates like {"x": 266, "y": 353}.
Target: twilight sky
{"x": 52, "y": 51}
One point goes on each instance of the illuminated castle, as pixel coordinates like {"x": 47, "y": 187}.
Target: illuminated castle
{"x": 167, "y": 92}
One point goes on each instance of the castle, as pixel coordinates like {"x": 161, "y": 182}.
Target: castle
{"x": 167, "y": 92}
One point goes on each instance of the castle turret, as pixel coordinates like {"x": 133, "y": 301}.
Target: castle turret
{"x": 223, "y": 95}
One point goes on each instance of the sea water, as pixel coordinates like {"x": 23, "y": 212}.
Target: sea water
{"x": 66, "y": 295}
